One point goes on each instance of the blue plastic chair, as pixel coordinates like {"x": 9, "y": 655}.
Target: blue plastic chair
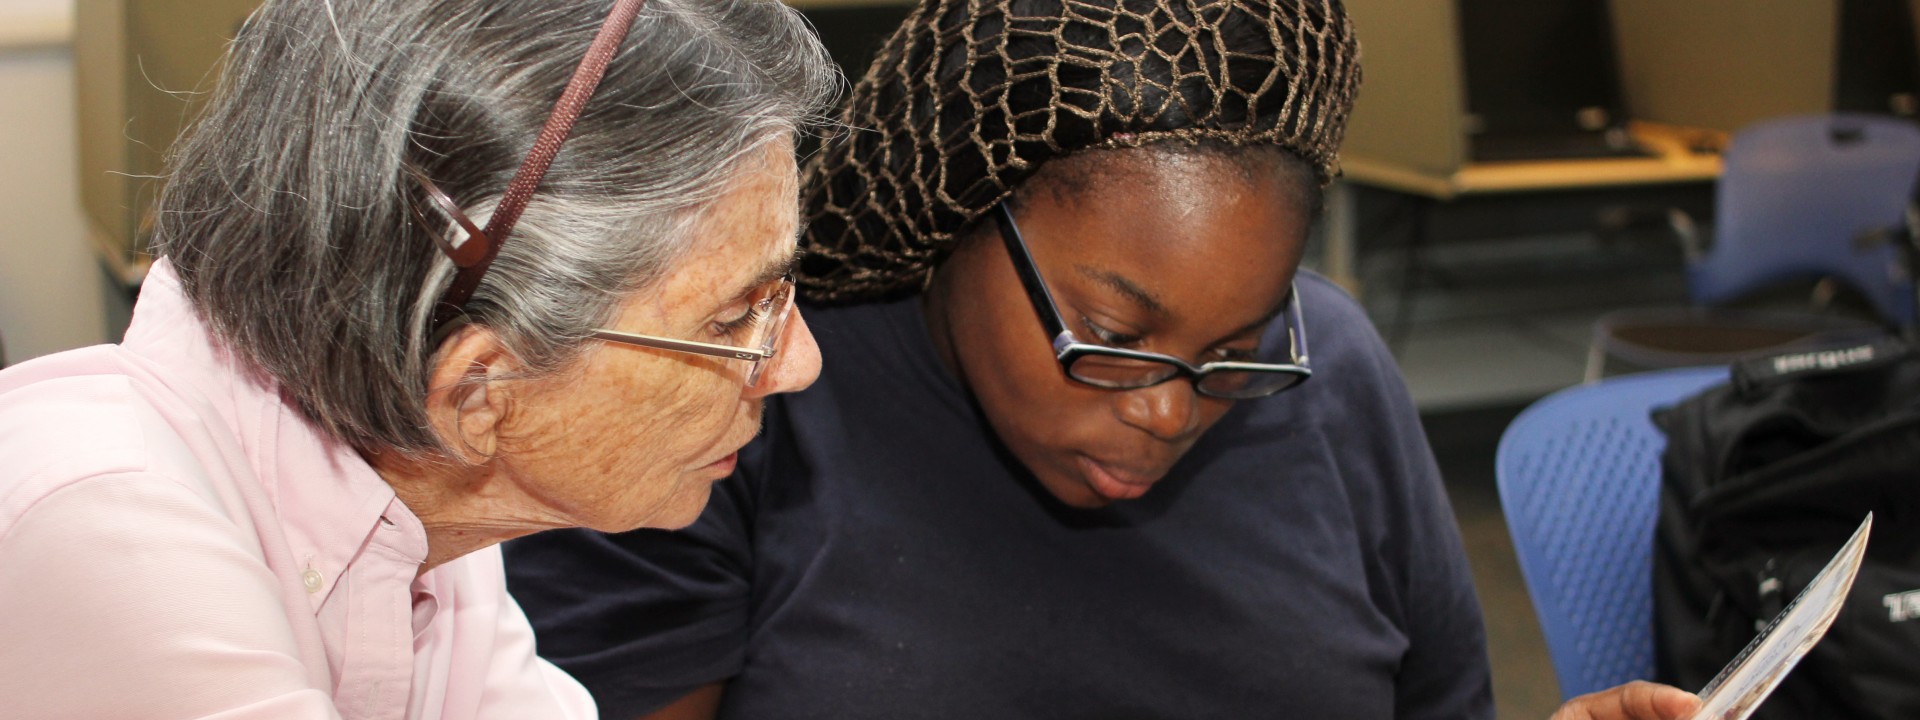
{"x": 1813, "y": 196}
{"x": 1579, "y": 478}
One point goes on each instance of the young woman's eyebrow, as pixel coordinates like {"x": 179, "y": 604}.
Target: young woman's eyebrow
{"x": 1264, "y": 319}
{"x": 1120, "y": 283}
{"x": 1152, "y": 303}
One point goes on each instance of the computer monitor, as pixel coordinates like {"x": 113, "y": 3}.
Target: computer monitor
{"x": 1876, "y": 67}
{"x": 1541, "y": 79}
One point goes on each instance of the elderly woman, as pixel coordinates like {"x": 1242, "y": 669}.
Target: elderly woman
{"x": 408, "y": 306}
{"x": 1066, "y": 460}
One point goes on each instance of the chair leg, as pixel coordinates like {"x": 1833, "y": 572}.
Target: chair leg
{"x": 1342, "y": 239}
{"x": 1596, "y": 357}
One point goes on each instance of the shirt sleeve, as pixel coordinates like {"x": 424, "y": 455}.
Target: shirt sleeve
{"x": 127, "y": 596}
{"x": 1419, "y": 568}
{"x": 1446, "y": 674}
{"x": 645, "y": 617}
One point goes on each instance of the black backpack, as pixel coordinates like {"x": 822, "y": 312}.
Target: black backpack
{"x": 1763, "y": 480}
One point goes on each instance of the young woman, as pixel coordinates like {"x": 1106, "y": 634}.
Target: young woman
{"x": 281, "y": 496}
{"x": 1087, "y": 444}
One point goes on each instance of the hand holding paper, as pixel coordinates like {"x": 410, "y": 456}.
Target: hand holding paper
{"x": 1755, "y": 672}
{"x": 1633, "y": 701}
{"x": 1758, "y": 669}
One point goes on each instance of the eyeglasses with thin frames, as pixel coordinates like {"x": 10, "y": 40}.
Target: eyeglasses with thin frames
{"x": 769, "y": 308}
{"x": 769, "y": 315}
{"x": 1121, "y": 369}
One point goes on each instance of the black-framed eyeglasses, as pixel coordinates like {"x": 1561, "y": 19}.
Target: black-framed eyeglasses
{"x": 1121, "y": 369}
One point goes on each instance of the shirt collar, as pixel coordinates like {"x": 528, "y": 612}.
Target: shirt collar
{"x": 329, "y": 500}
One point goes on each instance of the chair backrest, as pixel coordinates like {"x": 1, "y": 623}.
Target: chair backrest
{"x": 1579, "y": 477}
{"x": 1796, "y": 195}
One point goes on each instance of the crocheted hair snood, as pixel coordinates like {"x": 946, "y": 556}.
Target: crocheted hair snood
{"x": 969, "y": 97}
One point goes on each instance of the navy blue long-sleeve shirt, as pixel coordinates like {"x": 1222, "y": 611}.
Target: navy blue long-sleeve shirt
{"x": 879, "y": 555}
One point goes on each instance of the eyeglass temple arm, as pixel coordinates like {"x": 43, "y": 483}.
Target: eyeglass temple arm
{"x": 698, "y": 348}
{"x": 1297, "y": 330}
{"x": 1029, "y": 273}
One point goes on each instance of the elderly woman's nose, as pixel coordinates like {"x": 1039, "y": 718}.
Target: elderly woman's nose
{"x": 797, "y": 364}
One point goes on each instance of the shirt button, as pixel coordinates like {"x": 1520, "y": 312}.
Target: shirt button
{"x": 312, "y": 579}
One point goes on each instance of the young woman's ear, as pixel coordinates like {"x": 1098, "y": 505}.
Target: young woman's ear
{"x": 464, "y": 404}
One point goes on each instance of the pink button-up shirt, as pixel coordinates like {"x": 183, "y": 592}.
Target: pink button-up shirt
{"x": 176, "y": 541}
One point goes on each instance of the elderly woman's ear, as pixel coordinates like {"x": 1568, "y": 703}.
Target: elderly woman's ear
{"x": 465, "y": 404}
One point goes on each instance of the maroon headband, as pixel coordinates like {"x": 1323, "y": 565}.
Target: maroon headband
{"x": 473, "y": 261}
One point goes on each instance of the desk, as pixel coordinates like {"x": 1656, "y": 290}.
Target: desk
{"x": 1674, "y": 161}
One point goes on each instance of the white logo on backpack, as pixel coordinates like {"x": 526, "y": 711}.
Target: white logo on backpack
{"x": 1822, "y": 359}
{"x": 1902, "y": 607}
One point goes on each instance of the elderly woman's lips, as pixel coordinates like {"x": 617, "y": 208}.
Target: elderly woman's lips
{"x": 1112, "y": 483}
{"x": 722, "y": 467}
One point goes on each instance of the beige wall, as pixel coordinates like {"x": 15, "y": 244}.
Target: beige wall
{"x": 1709, "y": 63}
{"x": 1726, "y": 63}
{"x": 51, "y": 290}
{"x": 1411, "y": 106}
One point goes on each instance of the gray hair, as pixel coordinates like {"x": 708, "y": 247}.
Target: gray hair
{"x": 289, "y": 216}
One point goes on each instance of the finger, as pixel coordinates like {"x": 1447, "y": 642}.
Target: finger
{"x": 1637, "y": 700}
{"x": 1672, "y": 703}
{"x": 1641, "y": 700}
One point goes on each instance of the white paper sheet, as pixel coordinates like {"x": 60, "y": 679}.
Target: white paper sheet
{"x": 1759, "y": 668}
